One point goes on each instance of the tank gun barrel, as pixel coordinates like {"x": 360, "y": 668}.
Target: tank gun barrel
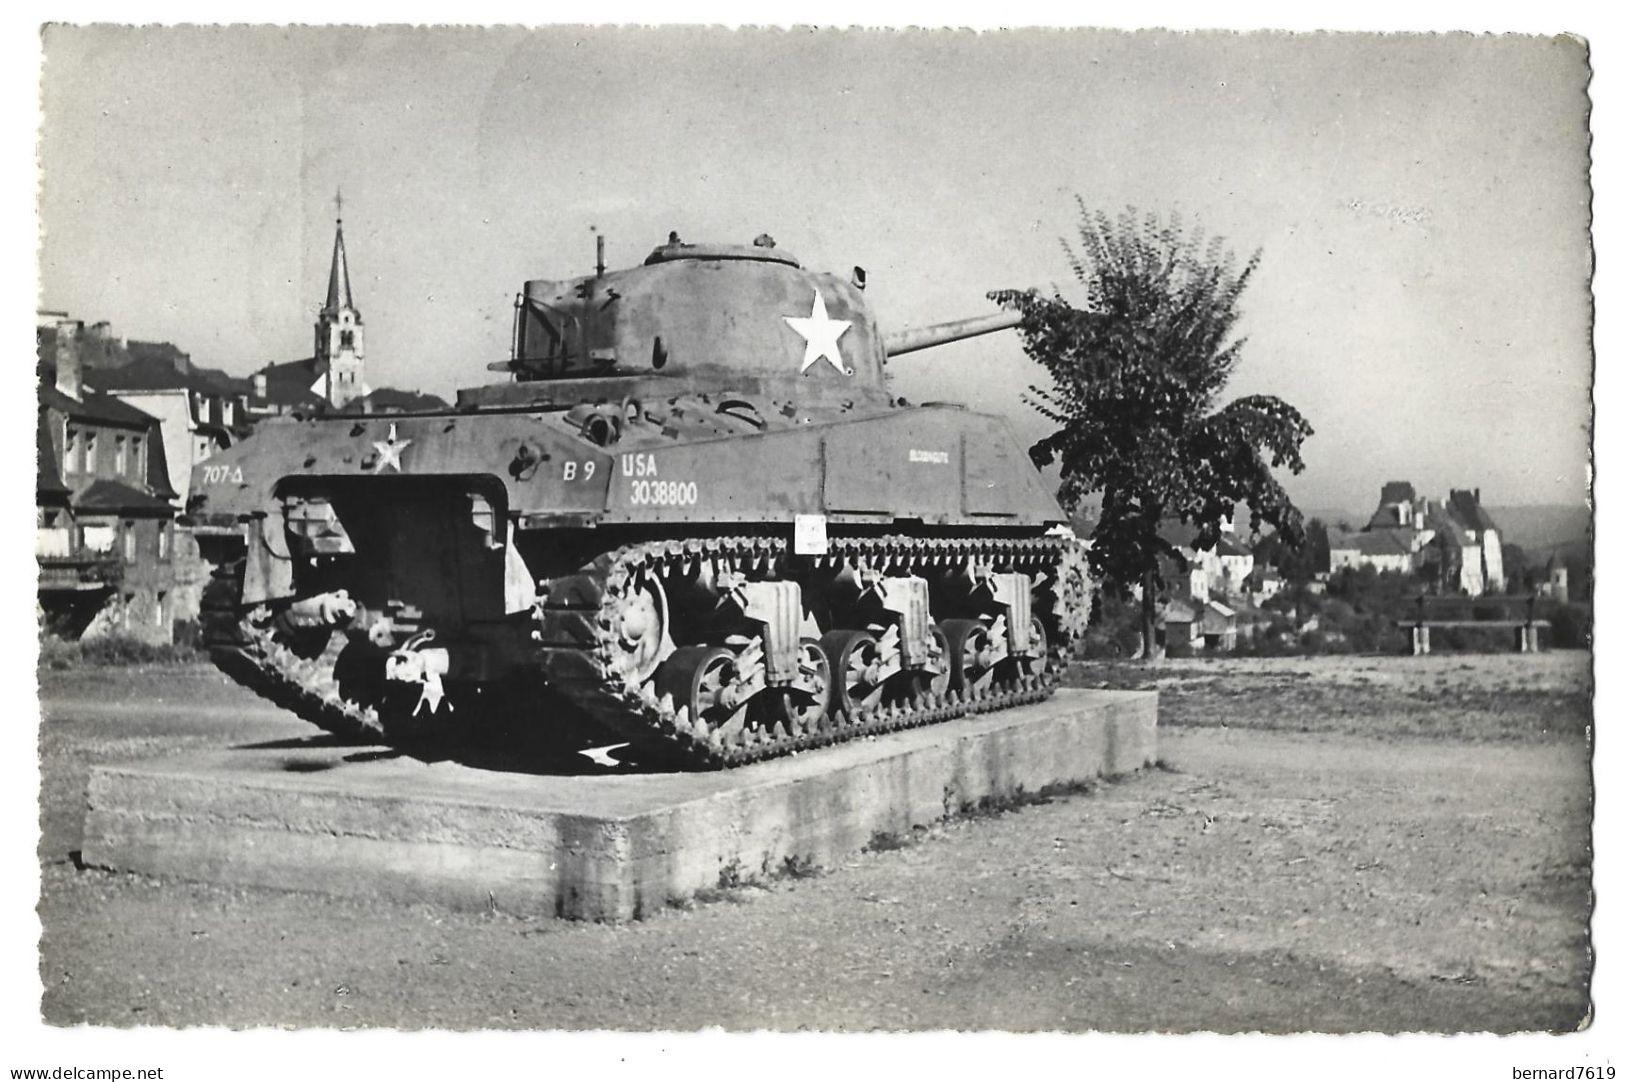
{"x": 907, "y": 341}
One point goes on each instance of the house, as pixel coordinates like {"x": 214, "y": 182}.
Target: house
{"x": 1180, "y": 622}
{"x": 1556, "y": 583}
{"x": 1479, "y": 529}
{"x": 1391, "y": 549}
{"x": 1235, "y": 564}
{"x": 1188, "y": 626}
{"x": 1219, "y": 627}
{"x": 1453, "y": 543}
{"x": 104, "y": 527}
{"x": 1264, "y": 583}
{"x": 201, "y": 413}
{"x": 1221, "y": 568}
{"x": 1453, "y": 563}
{"x": 1398, "y": 507}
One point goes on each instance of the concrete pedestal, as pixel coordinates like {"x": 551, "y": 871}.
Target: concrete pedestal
{"x": 342, "y": 820}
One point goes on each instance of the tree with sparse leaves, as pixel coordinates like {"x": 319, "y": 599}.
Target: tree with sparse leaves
{"x": 1138, "y": 371}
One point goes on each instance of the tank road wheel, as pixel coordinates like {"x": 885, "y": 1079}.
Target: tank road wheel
{"x": 805, "y": 702}
{"x": 643, "y": 628}
{"x": 932, "y": 681}
{"x": 853, "y": 656}
{"x": 969, "y": 667}
{"x": 699, "y": 679}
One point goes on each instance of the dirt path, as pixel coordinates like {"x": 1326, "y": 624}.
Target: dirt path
{"x": 1276, "y": 881}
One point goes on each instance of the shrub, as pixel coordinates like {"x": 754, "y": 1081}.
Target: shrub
{"x": 1476, "y": 640}
{"x": 1571, "y": 627}
{"x": 1114, "y": 629}
{"x": 113, "y": 650}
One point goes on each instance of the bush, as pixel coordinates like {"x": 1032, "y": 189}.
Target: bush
{"x": 1475, "y": 640}
{"x": 113, "y": 650}
{"x": 1276, "y": 640}
{"x": 55, "y": 653}
{"x": 1571, "y": 627}
{"x": 1114, "y": 629}
{"x": 1338, "y": 612}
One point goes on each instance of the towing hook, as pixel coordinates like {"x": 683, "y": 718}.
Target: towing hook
{"x": 413, "y": 663}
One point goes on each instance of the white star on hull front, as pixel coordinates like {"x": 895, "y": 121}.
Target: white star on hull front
{"x": 822, "y": 334}
{"x": 389, "y": 454}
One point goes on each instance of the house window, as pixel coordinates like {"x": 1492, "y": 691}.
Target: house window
{"x": 136, "y": 467}
{"x": 129, "y": 542}
{"x": 346, "y": 339}
{"x": 158, "y": 609}
{"x": 70, "y": 455}
{"x": 98, "y": 536}
{"x": 121, "y": 459}
{"x": 90, "y": 452}
{"x": 163, "y": 540}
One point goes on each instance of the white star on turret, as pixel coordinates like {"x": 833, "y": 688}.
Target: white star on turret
{"x": 822, "y": 334}
{"x": 389, "y": 454}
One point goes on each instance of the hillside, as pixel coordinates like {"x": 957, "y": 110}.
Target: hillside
{"x": 1543, "y": 526}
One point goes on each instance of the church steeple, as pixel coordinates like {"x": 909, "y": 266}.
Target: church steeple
{"x": 339, "y": 350}
{"x": 338, "y": 279}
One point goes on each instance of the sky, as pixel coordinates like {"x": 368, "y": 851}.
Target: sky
{"x": 1421, "y": 203}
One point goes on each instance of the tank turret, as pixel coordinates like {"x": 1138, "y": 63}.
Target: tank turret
{"x": 702, "y": 315}
{"x": 693, "y": 519}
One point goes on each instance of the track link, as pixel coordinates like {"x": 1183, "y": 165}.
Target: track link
{"x": 582, "y": 658}
{"x": 248, "y": 653}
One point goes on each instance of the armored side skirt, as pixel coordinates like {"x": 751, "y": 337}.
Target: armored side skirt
{"x": 327, "y": 819}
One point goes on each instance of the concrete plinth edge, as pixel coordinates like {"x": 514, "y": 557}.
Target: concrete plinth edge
{"x": 348, "y": 821}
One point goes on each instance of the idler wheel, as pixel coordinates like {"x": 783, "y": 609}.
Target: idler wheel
{"x": 806, "y": 701}
{"x": 701, "y": 678}
{"x": 970, "y": 666}
{"x": 853, "y": 659}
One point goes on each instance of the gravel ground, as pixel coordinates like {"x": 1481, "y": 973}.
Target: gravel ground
{"x": 1337, "y": 844}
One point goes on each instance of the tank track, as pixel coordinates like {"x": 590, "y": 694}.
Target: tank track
{"x": 583, "y": 659}
{"x": 241, "y": 649}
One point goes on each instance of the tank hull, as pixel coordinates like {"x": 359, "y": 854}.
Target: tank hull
{"x": 424, "y": 577}
{"x": 696, "y": 520}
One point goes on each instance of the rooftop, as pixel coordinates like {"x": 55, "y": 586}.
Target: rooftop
{"x": 116, "y": 496}
{"x": 101, "y": 408}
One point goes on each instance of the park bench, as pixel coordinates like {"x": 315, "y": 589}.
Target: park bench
{"x": 1526, "y": 627}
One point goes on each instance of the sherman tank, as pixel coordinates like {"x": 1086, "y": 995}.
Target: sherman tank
{"x": 693, "y": 519}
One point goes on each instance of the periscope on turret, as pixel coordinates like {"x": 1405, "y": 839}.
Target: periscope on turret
{"x": 693, "y": 518}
